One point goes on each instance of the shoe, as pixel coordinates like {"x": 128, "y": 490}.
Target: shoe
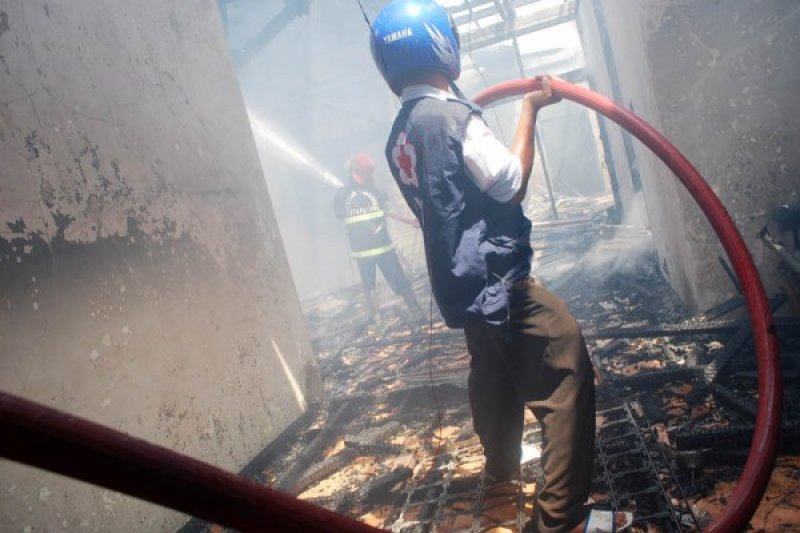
{"x": 597, "y": 522}
{"x": 606, "y": 522}
{"x": 493, "y": 479}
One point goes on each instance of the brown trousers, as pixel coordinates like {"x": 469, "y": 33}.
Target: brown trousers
{"x": 541, "y": 363}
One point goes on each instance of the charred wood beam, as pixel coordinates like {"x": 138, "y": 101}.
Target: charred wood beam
{"x": 649, "y": 380}
{"x": 725, "y": 457}
{"x": 377, "y": 489}
{"x": 338, "y": 501}
{"x": 732, "y": 347}
{"x": 255, "y": 468}
{"x": 745, "y": 406}
{"x": 789, "y": 326}
{"x": 600, "y": 353}
{"x": 375, "y": 439}
{"x": 644, "y": 469}
{"x": 730, "y": 437}
{"x": 310, "y": 453}
{"x": 611, "y": 348}
{"x": 735, "y": 344}
{"x": 324, "y": 469}
{"x": 724, "y": 308}
{"x": 666, "y": 330}
{"x": 632, "y": 494}
{"x": 709, "y": 373}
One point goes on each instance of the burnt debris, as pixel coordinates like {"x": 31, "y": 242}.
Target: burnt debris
{"x": 393, "y": 444}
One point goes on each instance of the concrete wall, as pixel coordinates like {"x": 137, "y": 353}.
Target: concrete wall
{"x": 143, "y": 282}
{"x": 720, "y": 82}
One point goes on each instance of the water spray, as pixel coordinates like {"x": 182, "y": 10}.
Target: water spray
{"x": 264, "y": 134}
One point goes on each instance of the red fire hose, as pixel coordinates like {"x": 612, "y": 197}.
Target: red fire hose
{"x": 44, "y": 437}
{"x": 755, "y": 476}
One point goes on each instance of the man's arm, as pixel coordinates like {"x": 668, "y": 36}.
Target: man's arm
{"x": 499, "y": 171}
{"x": 523, "y": 145}
{"x": 387, "y": 210}
{"x": 411, "y": 221}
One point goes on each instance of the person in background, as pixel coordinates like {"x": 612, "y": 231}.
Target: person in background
{"x": 466, "y": 189}
{"x": 362, "y": 207}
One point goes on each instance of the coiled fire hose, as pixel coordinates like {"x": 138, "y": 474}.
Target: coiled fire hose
{"x": 754, "y": 477}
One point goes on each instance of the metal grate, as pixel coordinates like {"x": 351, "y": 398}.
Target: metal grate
{"x": 633, "y": 473}
{"x": 636, "y": 474}
{"x": 440, "y": 501}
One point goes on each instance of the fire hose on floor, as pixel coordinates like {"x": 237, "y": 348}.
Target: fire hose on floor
{"x": 47, "y": 438}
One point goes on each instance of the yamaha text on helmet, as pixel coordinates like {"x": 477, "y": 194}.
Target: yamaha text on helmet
{"x": 413, "y": 36}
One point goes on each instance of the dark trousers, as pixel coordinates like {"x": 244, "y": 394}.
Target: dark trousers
{"x": 541, "y": 363}
{"x": 392, "y": 271}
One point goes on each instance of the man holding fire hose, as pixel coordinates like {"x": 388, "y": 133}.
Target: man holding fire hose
{"x": 466, "y": 189}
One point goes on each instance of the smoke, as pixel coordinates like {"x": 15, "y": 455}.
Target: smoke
{"x": 616, "y": 249}
{"x": 622, "y": 248}
{"x": 268, "y": 138}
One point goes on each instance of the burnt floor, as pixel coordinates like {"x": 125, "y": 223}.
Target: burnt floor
{"x": 393, "y": 445}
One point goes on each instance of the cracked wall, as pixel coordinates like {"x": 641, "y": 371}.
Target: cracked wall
{"x": 719, "y": 80}
{"x": 143, "y": 281}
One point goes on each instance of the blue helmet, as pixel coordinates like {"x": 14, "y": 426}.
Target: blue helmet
{"x": 410, "y": 36}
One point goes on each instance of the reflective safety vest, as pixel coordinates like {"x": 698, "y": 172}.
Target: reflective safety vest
{"x": 365, "y": 219}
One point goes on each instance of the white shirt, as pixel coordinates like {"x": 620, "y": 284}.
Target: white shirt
{"x": 490, "y": 165}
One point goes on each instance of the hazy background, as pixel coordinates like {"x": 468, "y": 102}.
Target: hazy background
{"x": 315, "y": 98}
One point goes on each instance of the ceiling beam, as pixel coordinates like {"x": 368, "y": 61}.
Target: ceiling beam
{"x": 519, "y": 25}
